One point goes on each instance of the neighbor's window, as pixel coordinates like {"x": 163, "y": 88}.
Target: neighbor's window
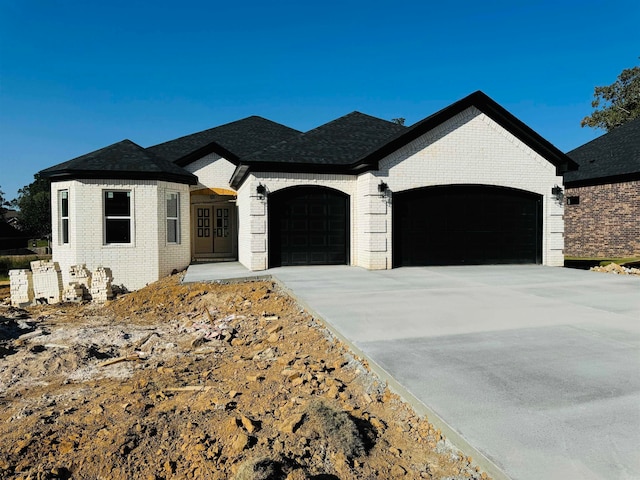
{"x": 117, "y": 216}
{"x": 63, "y": 213}
{"x": 173, "y": 217}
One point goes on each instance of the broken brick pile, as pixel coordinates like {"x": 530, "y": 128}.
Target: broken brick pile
{"x": 79, "y": 285}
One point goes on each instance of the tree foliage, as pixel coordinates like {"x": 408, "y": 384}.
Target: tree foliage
{"x": 3, "y": 203}
{"x": 616, "y": 104}
{"x": 34, "y": 203}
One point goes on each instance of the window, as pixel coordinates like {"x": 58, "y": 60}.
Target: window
{"x": 63, "y": 215}
{"x": 173, "y": 217}
{"x": 573, "y": 200}
{"x": 117, "y": 216}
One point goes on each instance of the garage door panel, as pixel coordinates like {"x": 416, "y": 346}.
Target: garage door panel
{"x": 308, "y": 226}
{"x": 466, "y": 225}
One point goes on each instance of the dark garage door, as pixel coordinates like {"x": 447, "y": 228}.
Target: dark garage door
{"x": 466, "y": 224}
{"x": 308, "y": 226}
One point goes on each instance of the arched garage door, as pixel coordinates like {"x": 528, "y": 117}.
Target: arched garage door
{"x": 466, "y": 224}
{"x": 308, "y": 226}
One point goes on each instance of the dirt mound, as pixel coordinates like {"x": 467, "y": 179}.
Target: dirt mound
{"x": 201, "y": 381}
{"x": 617, "y": 269}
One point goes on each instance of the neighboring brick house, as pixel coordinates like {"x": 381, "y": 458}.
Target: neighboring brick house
{"x": 602, "y": 215}
{"x": 470, "y": 184}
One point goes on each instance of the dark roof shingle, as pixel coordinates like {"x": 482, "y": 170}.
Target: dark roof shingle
{"x": 232, "y": 140}
{"x": 340, "y": 142}
{"x": 123, "y": 159}
{"x": 614, "y": 155}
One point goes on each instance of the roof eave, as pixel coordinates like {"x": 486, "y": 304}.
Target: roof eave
{"x": 620, "y": 178}
{"x": 63, "y": 175}
{"x": 243, "y": 170}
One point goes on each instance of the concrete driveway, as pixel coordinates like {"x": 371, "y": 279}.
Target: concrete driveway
{"x": 535, "y": 368}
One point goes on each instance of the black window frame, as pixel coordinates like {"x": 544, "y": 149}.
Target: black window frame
{"x": 118, "y": 217}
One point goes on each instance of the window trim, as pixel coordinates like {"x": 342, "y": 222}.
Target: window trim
{"x": 63, "y": 220}
{"x": 105, "y": 218}
{"x": 169, "y": 218}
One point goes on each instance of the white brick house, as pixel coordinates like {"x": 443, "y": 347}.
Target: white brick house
{"x": 470, "y": 184}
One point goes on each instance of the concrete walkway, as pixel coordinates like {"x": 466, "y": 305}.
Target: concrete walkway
{"x": 535, "y": 368}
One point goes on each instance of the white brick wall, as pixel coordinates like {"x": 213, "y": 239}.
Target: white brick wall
{"x": 470, "y": 148}
{"x": 253, "y": 212}
{"x": 147, "y": 257}
{"x": 212, "y": 171}
{"x": 173, "y": 256}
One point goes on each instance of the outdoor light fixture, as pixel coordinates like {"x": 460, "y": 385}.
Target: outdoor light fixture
{"x": 557, "y": 192}
{"x": 261, "y": 190}
{"x": 383, "y": 187}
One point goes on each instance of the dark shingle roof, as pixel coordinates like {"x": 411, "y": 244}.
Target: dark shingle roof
{"x": 124, "y": 159}
{"x": 612, "y": 156}
{"x": 233, "y": 140}
{"x": 356, "y": 142}
{"x": 9, "y": 231}
{"x": 340, "y": 142}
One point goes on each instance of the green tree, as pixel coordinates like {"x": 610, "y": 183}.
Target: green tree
{"x": 3, "y": 203}
{"x": 616, "y": 104}
{"x": 34, "y": 203}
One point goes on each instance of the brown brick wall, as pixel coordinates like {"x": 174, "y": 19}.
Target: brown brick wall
{"x": 606, "y": 223}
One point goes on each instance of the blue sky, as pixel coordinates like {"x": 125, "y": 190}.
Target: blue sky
{"x": 78, "y": 76}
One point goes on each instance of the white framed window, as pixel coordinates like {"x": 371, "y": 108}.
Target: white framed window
{"x": 173, "y": 217}
{"x": 117, "y": 216}
{"x": 63, "y": 216}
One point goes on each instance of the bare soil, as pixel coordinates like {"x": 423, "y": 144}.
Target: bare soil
{"x": 200, "y": 381}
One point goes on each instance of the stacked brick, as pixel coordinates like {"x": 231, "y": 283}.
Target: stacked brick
{"x": 74, "y": 292}
{"x": 47, "y": 281}
{"x": 21, "y": 285}
{"x": 79, "y": 285}
{"x": 101, "y": 285}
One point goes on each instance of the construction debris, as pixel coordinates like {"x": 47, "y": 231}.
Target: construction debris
{"x": 117, "y": 391}
{"x": 617, "y": 269}
{"x": 101, "y": 290}
{"x": 47, "y": 281}
{"x": 21, "y": 287}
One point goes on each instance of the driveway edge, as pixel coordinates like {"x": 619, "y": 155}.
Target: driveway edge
{"x": 454, "y": 438}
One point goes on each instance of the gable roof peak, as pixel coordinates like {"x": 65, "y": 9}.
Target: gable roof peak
{"x": 493, "y": 110}
{"x": 232, "y": 140}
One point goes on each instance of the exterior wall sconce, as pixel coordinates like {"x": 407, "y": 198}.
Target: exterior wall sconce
{"x": 383, "y": 188}
{"x": 558, "y": 193}
{"x": 261, "y": 190}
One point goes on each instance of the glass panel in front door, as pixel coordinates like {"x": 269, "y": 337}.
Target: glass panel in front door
{"x": 203, "y": 230}
{"x": 223, "y": 237}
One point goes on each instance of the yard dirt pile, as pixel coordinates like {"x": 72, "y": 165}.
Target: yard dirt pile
{"x": 200, "y": 381}
{"x": 617, "y": 269}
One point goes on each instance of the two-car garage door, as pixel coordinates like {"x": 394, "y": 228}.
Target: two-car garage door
{"x": 466, "y": 224}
